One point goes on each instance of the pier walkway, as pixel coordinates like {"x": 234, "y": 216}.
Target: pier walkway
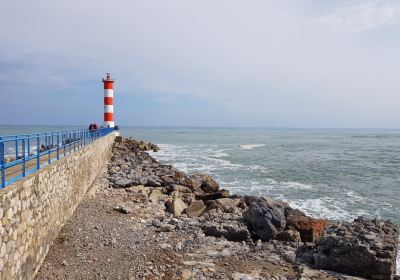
{"x": 21, "y": 155}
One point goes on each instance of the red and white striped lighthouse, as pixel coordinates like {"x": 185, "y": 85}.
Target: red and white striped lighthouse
{"x": 108, "y": 101}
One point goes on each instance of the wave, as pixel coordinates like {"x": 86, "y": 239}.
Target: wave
{"x": 296, "y": 185}
{"x": 354, "y": 197}
{"x": 251, "y": 146}
{"x": 324, "y": 207}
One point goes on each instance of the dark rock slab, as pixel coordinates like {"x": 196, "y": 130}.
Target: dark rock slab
{"x": 361, "y": 248}
{"x": 205, "y": 182}
{"x": 265, "y": 218}
{"x": 231, "y": 231}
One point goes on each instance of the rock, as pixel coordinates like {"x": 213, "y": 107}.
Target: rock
{"x": 155, "y": 195}
{"x": 289, "y": 236}
{"x": 310, "y": 229}
{"x": 119, "y": 139}
{"x": 138, "y": 189}
{"x": 231, "y": 231}
{"x": 214, "y": 196}
{"x": 179, "y": 188}
{"x": 138, "y": 197}
{"x": 176, "y": 207}
{"x": 265, "y": 219}
{"x": 123, "y": 183}
{"x": 156, "y": 223}
{"x": 165, "y": 246}
{"x": 188, "y": 198}
{"x": 154, "y": 182}
{"x": 195, "y": 209}
{"x": 124, "y": 209}
{"x": 276, "y": 203}
{"x": 204, "y": 182}
{"x": 167, "y": 228}
{"x": 228, "y": 203}
{"x": 185, "y": 274}
{"x": 345, "y": 248}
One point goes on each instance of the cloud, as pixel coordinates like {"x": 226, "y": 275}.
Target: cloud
{"x": 362, "y": 17}
{"x": 262, "y": 62}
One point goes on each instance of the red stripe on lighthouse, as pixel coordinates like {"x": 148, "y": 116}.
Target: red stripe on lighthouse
{"x": 108, "y": 84}
{"x": 108, "y": 101}
{"x": 108, "y": 117}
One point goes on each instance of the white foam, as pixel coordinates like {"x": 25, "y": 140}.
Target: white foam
{"x": 219, "y": 154}
{"x": 296, "y": 185}
{"x": 251, "y": 146}
{"x": 354, "y": 196}
{"x": 260, "y": 168}
{"x": 324, "y": 207}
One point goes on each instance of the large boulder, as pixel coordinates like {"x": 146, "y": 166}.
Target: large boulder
{"x": 361, "y": 248}
{"x": 204, "y": 182}
{"x": 231, "y": 230}
{"x": 123, "y": 183}
{"x": 265, "y": 218}
{"x": 176, "y": 206}
{"x": 195, "y": 209}
{"x": 228, "y": 203}
{"x": 310, "y": 229}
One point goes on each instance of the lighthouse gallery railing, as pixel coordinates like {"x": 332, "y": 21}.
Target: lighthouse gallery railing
{"x": 21, "y": 155}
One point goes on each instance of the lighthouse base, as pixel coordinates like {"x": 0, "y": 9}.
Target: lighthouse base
{"x": 108, "y": 124}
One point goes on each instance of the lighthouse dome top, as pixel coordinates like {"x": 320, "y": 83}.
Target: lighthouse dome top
{"x": 108, "y": 78}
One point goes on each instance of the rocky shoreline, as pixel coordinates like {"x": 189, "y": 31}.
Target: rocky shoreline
{"x": 191, "y": 229}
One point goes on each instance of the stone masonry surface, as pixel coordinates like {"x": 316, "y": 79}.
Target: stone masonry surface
{"x": 33, "y": 210}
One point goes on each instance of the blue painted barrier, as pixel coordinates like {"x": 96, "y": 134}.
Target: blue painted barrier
{"x": 49, "y": 147}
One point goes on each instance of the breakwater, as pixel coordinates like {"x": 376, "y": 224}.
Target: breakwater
{"x": 34, "y": 209}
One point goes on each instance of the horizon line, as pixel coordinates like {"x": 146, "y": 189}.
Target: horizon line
{"x": 207, "y": 127}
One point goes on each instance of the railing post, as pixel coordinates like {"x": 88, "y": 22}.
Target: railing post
{"x": 23, "y": 159}
{"x": 58, "y": 146}
{"x": 48, "y": 148}
{"x": 38, "y": 152}
{"x": 64, "y": 136}
{"x": 52, "y": 143}
{"x": 29, "y": 146}
{"x": 2, "y": 167}
{"x": 16, "y": 147}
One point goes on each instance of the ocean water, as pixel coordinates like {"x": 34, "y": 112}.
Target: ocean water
{"x": 337, "y": 174}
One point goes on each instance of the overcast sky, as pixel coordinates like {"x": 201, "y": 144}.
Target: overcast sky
{"x": 300, "y": 63}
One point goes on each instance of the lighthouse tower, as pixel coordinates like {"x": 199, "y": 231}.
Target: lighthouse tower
{"x": 108, "y": 101}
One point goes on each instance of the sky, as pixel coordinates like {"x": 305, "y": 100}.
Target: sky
{"x": 303, "y": 63}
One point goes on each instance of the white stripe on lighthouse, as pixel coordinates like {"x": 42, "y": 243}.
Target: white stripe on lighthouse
{"x": 108, "y": 93}
{"x": 108, "y": 108}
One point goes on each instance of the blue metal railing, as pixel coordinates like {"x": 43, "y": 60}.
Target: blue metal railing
{"x": 21, "y": 155}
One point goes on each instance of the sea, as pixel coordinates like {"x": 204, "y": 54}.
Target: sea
{"x": 337, "y": 174}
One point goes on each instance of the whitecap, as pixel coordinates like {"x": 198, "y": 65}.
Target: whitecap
{"x": 354, "y": 196}
{"x": 257, "y": 167}
{"x": 296, "y": 185}
{"x": 219, "y": 154}
{"x": 251, "y": 146}
{"x": 324, "y": 207}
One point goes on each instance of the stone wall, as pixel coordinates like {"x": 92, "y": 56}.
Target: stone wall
{"x": 33, "y": 210}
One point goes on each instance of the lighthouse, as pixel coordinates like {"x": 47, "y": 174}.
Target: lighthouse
{"x": 108, "y": 101}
